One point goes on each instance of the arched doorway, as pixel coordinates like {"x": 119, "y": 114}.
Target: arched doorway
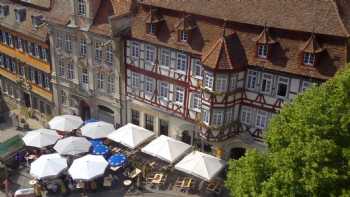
{"x": 84, "y": 110}
{"x": 186, "y": 137}
{"x": 237, "y": 153}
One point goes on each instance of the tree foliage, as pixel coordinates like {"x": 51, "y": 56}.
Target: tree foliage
{"x": 308, "y": 148}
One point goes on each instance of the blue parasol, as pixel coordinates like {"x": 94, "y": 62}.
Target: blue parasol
{"x": 96, "y": 142}
{"x": 117, "y": 160}
{"x": 100, "y": 149}
{"x": 90, "y": 121}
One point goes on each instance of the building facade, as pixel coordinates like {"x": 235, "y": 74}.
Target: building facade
{"x": 86, "y": 63}
{"x": 213, "y": 77}
{"x": 25, "y": 65}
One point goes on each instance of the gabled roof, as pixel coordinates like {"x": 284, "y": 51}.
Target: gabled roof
{"x": 264, "y": 37}
{"x": 154, "y": 16}
{"x": 220, "y": 55}
{"x": 185, "y": 24}
{"x": 329, "y": 17}
{"x": 312, "y": 46}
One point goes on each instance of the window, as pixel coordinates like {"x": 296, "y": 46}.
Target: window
{"x": 208, "y": 80}
{"x": 81, "y": 7}
{"x": 46, "y": 81}
{"x": 179, "y": 95}
{"x": 266, "y": 83}
{"x": 261, "y": 119}
{"x": 20, "y": 14}
{"x": 83, "y": 49}
{"x": 282, "y": 87}
{"x": 206, "y": 116}
{"x": 183, "y": 36}
{"x": 98, "y": 52}
{"x": 63, "y": 97}
{"x": 32, "y": 74}
{"x": 181, "y": 62}
{"x": 262, "y": 50}
{"x": 150, "y": 53}
{"x": 149, "y": 85}
{"x": 68, "y": 43}
{"x": 309, "y": 59}
{"x": 164, "y": 90}
{"x": 221, "y": 83}
{"x": 59, "y": 40}
{"x": 246, "y": 115}
{"x": 152, "y": 28}
{"x": 110, "y": 83}
{"x": 4, "y": 10}
{"x": 135, "y": 49}
{"x": 305, "y": 85}
{"x": 229, "y": 115}
{"x": 61, "y": 68}
{"x": 251, "y": 79}
{"x": 70, "y": 71}
{"x": 135, "y": 117}
{"x": 218, "y": 118}
{"x": 85, "y": 76}
{"x": 40, "y": 78}
{"x": 196, "y": 68}
{"x": 163, "y": 127}
{"x": 135, "y": 80}
{"x": 196, "y": 101}
{"x": 109, "y": 55}
{"x": 44, "y": 54}
{"x": 21, "y": 70}
{"x": 233, "y": 82}
{"x": 149, "y": 122}
{"x": 36, "y": 50}
{"x": 100, "y": 80}
{"x": 165, "y": 58}
{"x": 13, "y": 67}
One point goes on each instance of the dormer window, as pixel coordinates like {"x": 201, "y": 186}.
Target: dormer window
{"x": 264, "y": 43}
{"x": 311, "y": 51}
{"x": 37, "y": 21}
{"x": 4, "y": 10}
{"x": 20, "y": 14}
{"x": 263, "y": 50}
{"x": 82, "y": 7}
{"x": 184, "y": 28}
{"x": 152, "y": 28}
{"x": 183, "y": 36}
{"x": 309, "y": 59}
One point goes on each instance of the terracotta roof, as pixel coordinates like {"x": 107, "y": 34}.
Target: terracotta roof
{"x": 153, "y": 17}
{"x": 318, "y": 16}
{"x": 312, "y": 46}
{"x": 264, "y": 37}
{"x": 122, "y": 7}
{"x": 25, "y": 27}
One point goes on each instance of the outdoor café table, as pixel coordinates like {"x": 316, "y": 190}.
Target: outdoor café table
{"x": 157, "y": 179}
{"x": 134, "y": 173}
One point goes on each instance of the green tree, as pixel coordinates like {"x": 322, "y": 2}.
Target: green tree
{"x": 309, "y": 148}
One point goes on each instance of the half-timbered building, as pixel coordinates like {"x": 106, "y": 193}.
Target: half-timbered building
{"x": 214, "y": 72}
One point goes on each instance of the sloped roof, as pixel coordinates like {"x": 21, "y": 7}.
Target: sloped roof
{"x": 328, "y": 17}
{"x": 154, "y": 17}
{"x": 220, "y": 56}
{"x": 186, "y": 23}
{"x": 312, "y": 46}
{"x": 264, "y": 37}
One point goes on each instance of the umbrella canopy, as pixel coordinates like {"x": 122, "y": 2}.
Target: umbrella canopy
{"x": 166, "y": 148}
{"x": 66, "y": 123}
{"x": 88, "y": 167}
{"x": 96, "y": 142}
{"x": 201, "y": 165}
{"x": 130, "y": 135}
{"x": 90, "y": 121}
{"x": 96, "y": 130}
{"x": 72, "y": 146}
{"x": 40, "y": 138}
{"x": 117, "y": 160}
{"x": 47, "y": 166}
{"x": 100, "y": 149}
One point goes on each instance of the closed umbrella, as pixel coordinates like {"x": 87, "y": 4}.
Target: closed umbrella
{"x": 66, "y": 123}
{"x": 117, "y": 160}
{"x": 40, "y": 138}
{"x": 72, "y": 146}
{"x": 96, "y": 130}
{"x": 46, "y": 166}
{"x": 88, "y": 167}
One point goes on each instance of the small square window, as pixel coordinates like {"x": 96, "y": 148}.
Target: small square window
{"x": 183, "y": 36}
{"x": 152, "y": 28}
{"x": 309, "y": 59}
{"x": 263, "y": 50}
